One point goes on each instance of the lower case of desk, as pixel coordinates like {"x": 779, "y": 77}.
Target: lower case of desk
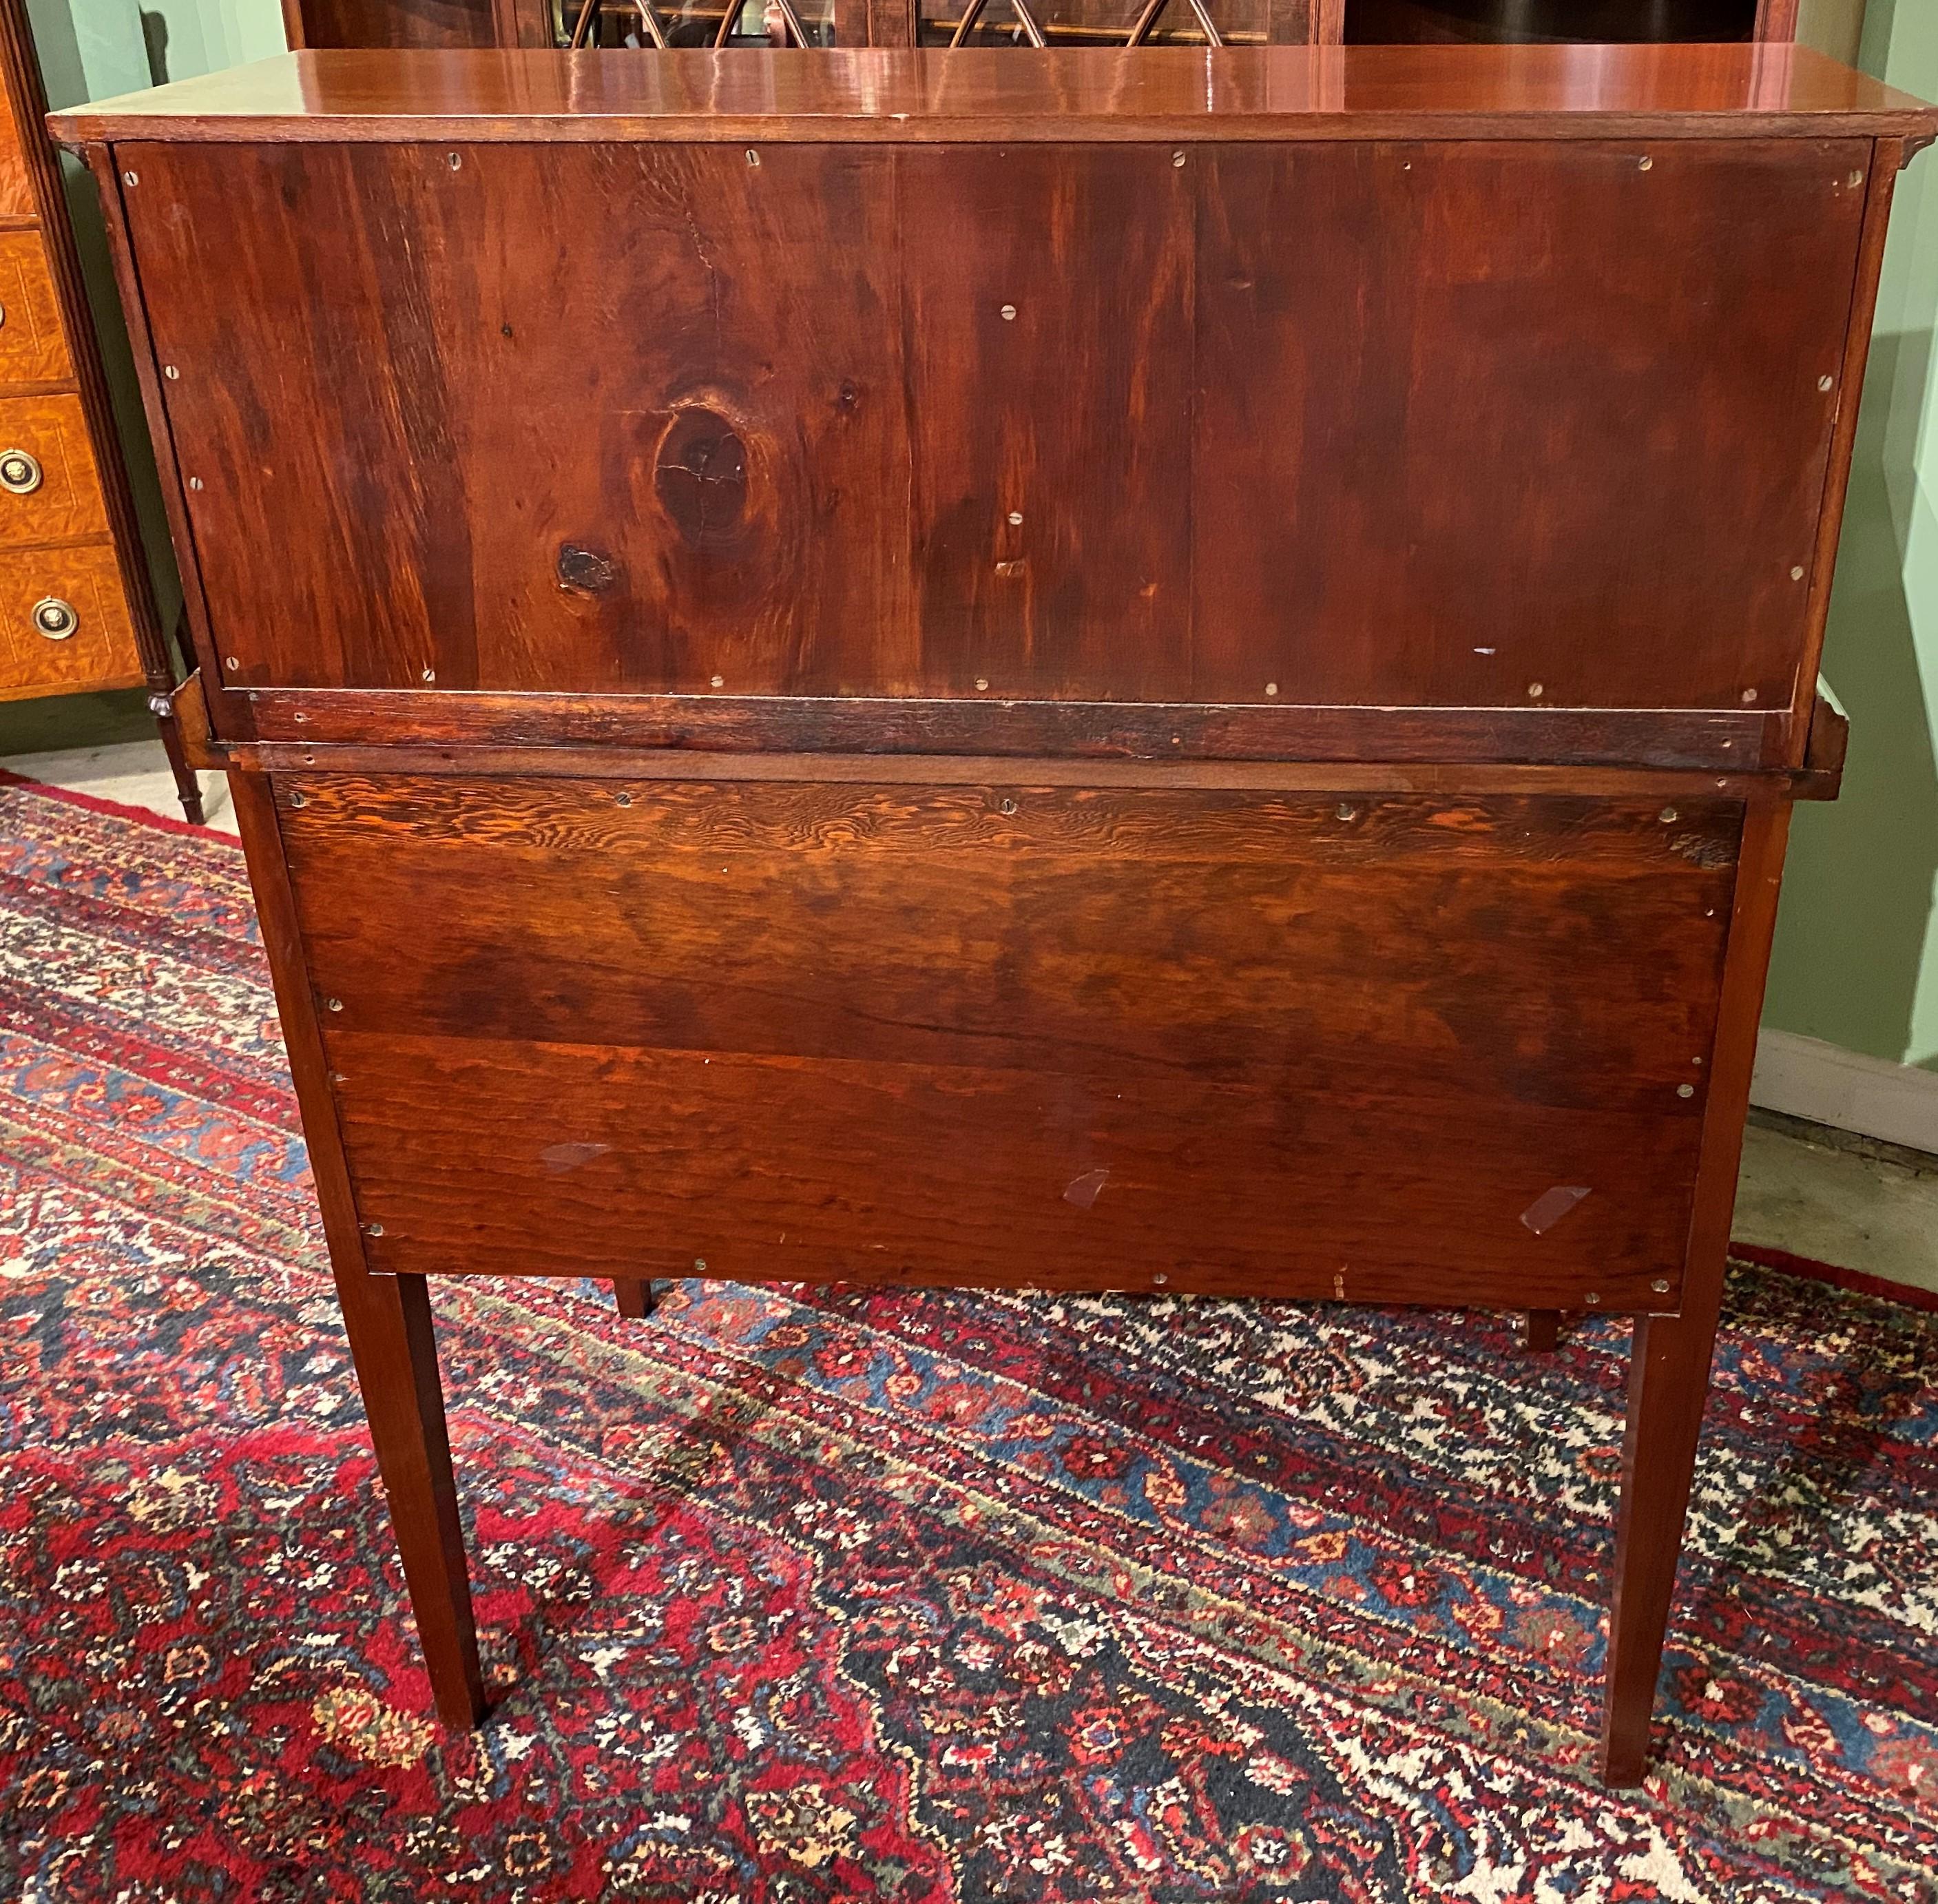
{"x": 1373, "y": 1048}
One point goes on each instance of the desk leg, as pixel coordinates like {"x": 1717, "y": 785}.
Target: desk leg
{"x": 1542, "y": 1335}
{"x": 634, "y": 1297}
{"x": 1669, "y": 1360}
{"x": 388, "y": 1318}
{"x": 1669, "y": 1382}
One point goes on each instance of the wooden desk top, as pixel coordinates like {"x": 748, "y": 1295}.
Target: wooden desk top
{"x": 981, "y": 95}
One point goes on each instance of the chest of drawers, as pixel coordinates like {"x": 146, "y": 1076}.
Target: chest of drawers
{"x": 1105, "y": 672}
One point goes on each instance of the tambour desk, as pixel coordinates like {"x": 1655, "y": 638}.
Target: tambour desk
{"x": 1155, "y": 669}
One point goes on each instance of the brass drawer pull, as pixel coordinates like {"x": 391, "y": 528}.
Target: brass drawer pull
{"x": 53, "y": 618}
{"x": 20, "y": 473}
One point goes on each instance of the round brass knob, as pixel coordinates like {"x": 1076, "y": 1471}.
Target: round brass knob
{"x": 20, "y": 473}
{"x": 53, "y": 618}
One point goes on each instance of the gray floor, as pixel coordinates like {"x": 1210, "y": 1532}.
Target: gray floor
{"x": 1807, "y": 1191}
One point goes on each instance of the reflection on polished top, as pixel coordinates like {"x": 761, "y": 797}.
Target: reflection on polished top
{"x": 900, "y": 96}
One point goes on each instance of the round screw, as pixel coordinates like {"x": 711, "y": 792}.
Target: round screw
{"x": 169, "y": 371}
{"x": 1272, "y": 688}
{"x": 1796, "y": 573}
{"x": 1347, "y": 811}
{"x": 1009, "y": 314}
{"x": 131, "y": 178}
{"x": 232, "y": 664}
{"x": 1535, "y": 690}
{"x": 1857, "y": 178}
{"x": 1749, "y": 694}
{"x": 753, "y": 157}
{"x": 195, "y": 482}
{"x": 373, "y": 1229}
{"x": 1668, "y": 815}
{"x": 1177, "y": 158}
{"x": 1593, "y": 1296}
{"x": 457, "y": 160}
{"x": 430, "y": 674}
{"x": 1661, "y": 1285}
{"x": 1008, "y": 807}
{"x": 1645, "y": 165}
{"x": 699, "y": 1265}
{"x": 622, "y": 800}
{"x": 298, "y": 799}
{"x": 1015, "y": 518}
{"x": 333, "y": 1004}
{"x": 981, "y": 685}
{"x": 718, "y": 680}
{"x": 1160, "y": 1279}
{"x": 1824, "y": 383}
{"x": 1685, "y": 1090}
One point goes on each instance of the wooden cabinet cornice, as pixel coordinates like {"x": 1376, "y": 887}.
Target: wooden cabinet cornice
{"x": 1167, "y": 670}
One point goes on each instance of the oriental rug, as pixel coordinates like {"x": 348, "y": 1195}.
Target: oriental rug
{"x": 798, "y": 1595}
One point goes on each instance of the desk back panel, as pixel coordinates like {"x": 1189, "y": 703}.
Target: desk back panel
{"x": 1262, "y": 1044}
{"x": 1339, "y": 422}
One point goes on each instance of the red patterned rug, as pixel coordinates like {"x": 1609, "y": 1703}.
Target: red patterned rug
{"x": 800, "y": 1594}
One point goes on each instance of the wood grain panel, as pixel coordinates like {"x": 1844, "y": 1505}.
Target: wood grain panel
{"x": 1451, "y": 440}
{"x": 68, "y": 505}
{"x": 33, "y": 348}
{"x": 1477, "y": 421}
{"x": 1274, "y": 1040}
{"x": 484, "y": 494}
{"x": 100, "y": 653}
{"x": 1049, "y": 315}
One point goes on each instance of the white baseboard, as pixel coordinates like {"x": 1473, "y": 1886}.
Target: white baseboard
{"x": 1806, "y": 1078}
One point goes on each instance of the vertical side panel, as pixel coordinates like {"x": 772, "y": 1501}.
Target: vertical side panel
{"x": 1049, "y": 294}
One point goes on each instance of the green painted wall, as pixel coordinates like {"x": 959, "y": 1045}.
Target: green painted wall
{"x": 1857, "y": 946}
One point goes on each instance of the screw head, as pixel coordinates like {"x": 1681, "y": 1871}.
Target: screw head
{"x": 1160, "y": 1279}
{"x": 1824, "y": 383}
{"x": 1749, "y": 694}
{"x": 373, "y": 1229}
{"x": 717, "y": 680}
{"x": 1015, "y": 518}
{"x": 1272, "y": 688}
{"x": 456, "y": 160}
{"x": 333, "y": 1004}
{"x": 1661, "y": 1285}
{"x": 1685, "y": 1090}
{"x": 1593, "y": 1296}
{"x": 1796, "y": 573}
{"x": 195, "y": 482}
{"x": 1007, "y": 807}
{"x": 1535, "y": 690}
{"x": 699, "y": 1265}
{"x": 1347, "y": 811}
{"x": 1644, "y": 164}
{"x": 753, "y": 157}
{"x": 1857, "y": 178}
{"x": 1009, "y": 314}
{"x": 298, "y": 799}
{"x": 981, "y": 685}
{"x": 622, "y": 800}
{"x": 169, "y": 371}
{"x": 1668, "y": 815}
{"x": 1177, "y": 158}
{"x": 232, "y": 664}
{"x": 131, "y": 178}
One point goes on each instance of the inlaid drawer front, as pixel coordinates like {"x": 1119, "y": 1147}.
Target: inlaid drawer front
{"x": 64, "y": 622}
{"x": 49, "y": 489}
{"x": 1384, "y": 1048}
{"x": 33, "y": 347}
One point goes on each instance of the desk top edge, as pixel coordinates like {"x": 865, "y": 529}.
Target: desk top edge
{"x": 983, "y": 95}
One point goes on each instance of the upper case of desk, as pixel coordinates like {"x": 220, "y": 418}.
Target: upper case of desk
{"x": 1274, "y": 383}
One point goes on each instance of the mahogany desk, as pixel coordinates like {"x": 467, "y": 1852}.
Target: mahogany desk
{"x": 1079, "y": 669}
